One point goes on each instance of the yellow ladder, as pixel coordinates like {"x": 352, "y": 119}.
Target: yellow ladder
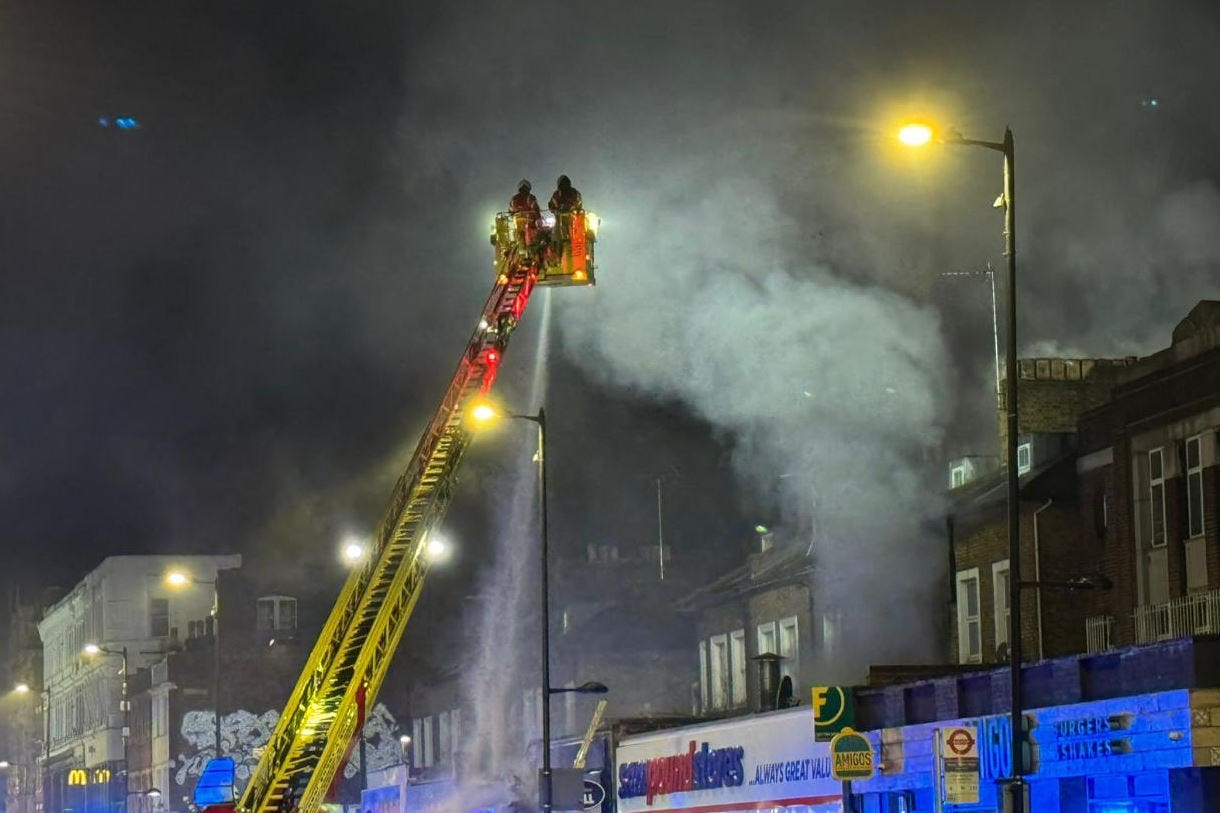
{"x": 353, "y": 652}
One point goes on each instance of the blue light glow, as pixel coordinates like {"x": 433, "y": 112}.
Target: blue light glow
{"x": 215, "y": 786}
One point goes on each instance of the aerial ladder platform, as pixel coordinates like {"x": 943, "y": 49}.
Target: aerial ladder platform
{"x": 345, "y": 670}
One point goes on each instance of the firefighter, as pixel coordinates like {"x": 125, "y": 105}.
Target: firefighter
{"x": 525, "y": 211}
{"x": 563, "y": 203}
{"x": 566, "y": 197}
{"x": 523, "y": 201}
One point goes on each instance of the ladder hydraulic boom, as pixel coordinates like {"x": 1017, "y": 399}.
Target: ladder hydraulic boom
{"x": 348, "y": 663}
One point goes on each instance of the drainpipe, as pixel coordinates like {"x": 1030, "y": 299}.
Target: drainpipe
{"x": 1038, "y": 574}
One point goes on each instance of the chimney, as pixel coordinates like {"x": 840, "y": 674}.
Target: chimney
{"x": 768, "y": 680}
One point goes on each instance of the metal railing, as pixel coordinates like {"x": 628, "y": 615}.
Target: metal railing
{"x": 1194, "y": 614}
{"x": 1098, "y": 632}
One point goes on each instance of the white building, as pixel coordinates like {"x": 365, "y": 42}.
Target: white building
{"x": 123, "y": 604}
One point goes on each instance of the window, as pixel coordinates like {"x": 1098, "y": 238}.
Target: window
{"x": 442, "y": 738}
{"x": 703, "y": 698}
{"x": 277, "y": 613}
{"x": 718, "y": 651}
{"x": 957, "y": 476}
{"x": 1000, "y": 591}
{"x": 766, "y": 639}
{"x": 1156, "y": 494}
{"x": 426, "y": 742}
{"x": 1194, "y": 486}
{"x": 158, "y": 617}
{"x": 455, "y": 733}
{"x": 789, "y": 650}
{"x": 969, "y": 643}
{"x": 737, "y": 656}
{"x": 1023, "y": 458}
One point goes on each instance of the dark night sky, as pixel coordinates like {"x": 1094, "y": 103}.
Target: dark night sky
{"x": 221, "y": 330}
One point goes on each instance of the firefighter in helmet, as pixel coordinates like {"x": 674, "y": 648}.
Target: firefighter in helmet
{"x": 525, "y": 211}
{"x": 566, "y": 197}
{"x": 564, "y": 201}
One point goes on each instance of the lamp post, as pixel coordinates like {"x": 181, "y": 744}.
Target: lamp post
{"x": 94, "y": 649}
{"x": 177, "y": 578}
{"x": 482, "y": 414}
{"x": 917, "y": 135}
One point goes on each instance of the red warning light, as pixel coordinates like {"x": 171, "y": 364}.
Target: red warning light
{"x": 492, "y": 357}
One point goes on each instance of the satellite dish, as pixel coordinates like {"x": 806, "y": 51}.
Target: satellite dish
{"x": 783, "y": 697}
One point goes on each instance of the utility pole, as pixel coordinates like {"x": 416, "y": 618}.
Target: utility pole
{"x": 660, "y": 532}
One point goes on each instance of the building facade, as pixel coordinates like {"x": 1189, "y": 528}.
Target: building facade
{"x": 765, "y": 607}
{"x": 1150, "y": 491}
{"x": 1120, "y": 490}
{"x": 125, "y": 610}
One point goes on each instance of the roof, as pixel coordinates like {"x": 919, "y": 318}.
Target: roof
{"x": 1054, "y": 479}
{"x": 786, "y": 562}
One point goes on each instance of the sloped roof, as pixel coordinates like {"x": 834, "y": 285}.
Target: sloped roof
{"x": 787, "y": 562}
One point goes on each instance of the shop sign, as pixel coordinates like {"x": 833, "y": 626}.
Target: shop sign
{"x": 851, "y": 756}
{"x": 700, "y": 768}
{"x": 833, "y": 711}
{"x": 743, "y": 764}
{"x": 594, "y": 794}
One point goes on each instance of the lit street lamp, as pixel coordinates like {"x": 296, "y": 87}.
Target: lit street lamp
{"x": 93, "y": 650}
{"x": 918, "y": 134}
{"x": 22, "y": 688}
{"x": 179, "y": 579}
{"x": 352, "y": 552}
{"x": 483, "y": 414}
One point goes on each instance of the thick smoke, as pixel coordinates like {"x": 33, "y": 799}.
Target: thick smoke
{"x": 834, "y": 393}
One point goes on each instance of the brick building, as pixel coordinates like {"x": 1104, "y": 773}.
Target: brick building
{"x": 1149, "y": 491}
{"x": 1053, "y": 393}
{"x": 269, "y": 620}
{"x": 764, "y": 607}
{"x": 1118, "y": 462}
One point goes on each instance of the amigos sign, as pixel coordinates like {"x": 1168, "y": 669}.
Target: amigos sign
{"x": 765, "y": 761}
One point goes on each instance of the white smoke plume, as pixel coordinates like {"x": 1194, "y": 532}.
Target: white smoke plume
{"x": 833, "y": 393}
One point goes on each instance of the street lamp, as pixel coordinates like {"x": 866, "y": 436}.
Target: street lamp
{"x": 22, "y": 688}
{"x": 484, "y": 414}
{"x": 92, "y": 649}
{"x": 352, "y": 552}
{"x": 917, "y": 134}
{"x": 179, "y": 579}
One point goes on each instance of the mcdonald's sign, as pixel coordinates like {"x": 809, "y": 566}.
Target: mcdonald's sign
{"x": 78, "y": 777}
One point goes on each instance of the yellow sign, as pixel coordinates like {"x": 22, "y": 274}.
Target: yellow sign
{"x": 79, "y": 776}
{"x": 851, "y": 756}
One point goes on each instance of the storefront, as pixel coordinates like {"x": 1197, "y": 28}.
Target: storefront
{"x": 1149, "y": 753}
{"x": 763, "y": 762}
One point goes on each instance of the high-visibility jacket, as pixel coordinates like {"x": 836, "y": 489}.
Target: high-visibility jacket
{"x": 524, "y": 202}
{"x": 563, "y": 201}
